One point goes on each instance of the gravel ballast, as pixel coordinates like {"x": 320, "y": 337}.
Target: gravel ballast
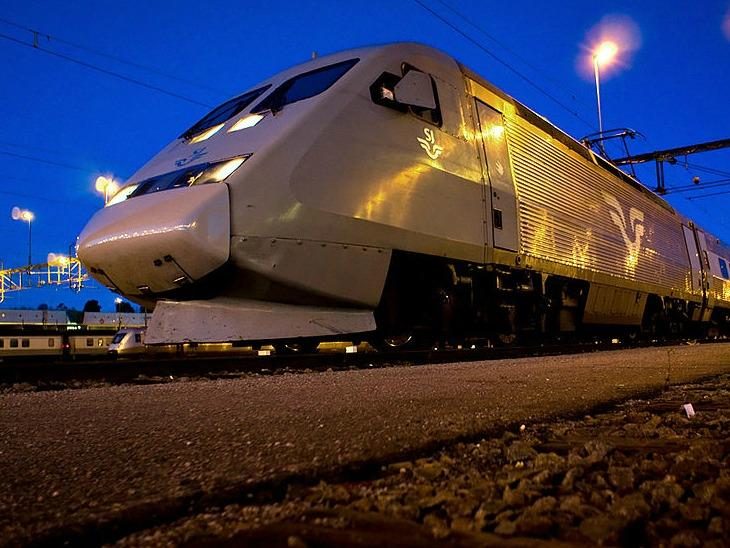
{"x": 643, "y": 473}
{"x": 95, "y": 464}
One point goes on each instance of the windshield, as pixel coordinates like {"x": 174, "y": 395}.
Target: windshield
{"x": 118, "y": 338}
{"x": 224, "y": 112}
{"x": 304, "y": 86}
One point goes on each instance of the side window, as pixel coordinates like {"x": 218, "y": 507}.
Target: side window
{"x": 51, "y": 342}
{"x": 89, "y": 342}
{"x": 25, "y": 343}
{"x": 13, "y": 343}
{"x": 137, "y": 338}
{"x": 2, "y": 343}
{"x": 430, "y": 115}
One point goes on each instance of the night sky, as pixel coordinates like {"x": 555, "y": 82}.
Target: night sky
{"x": 64, "y": 123}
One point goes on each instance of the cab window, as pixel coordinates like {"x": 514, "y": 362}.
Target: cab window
{"x": 224, "y": 112}
{"x": 304, "y": 86}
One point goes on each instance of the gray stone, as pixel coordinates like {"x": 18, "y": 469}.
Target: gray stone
{"x": 519, "y": 451}
{"x": 621, "y": 477}
{"x": 600, "y": 529}
{"x": 694, "y": 510}
{"x": 630, "y": 508}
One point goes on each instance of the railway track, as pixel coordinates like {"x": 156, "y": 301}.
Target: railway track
{"x": 29, "y": 374}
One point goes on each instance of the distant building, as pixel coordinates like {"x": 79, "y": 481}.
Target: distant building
{"x": 114, "y": 319}
{"x": 14, "y": 319}
{"x": 48, "y": 318}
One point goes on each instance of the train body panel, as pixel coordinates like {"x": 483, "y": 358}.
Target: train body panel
{"x": 23, "y": 345}
{"x": 387, "y": 179}
{"x": 178, "y": 242}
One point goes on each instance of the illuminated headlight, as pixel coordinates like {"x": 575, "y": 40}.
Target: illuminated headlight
{"x": 200, "y": 174}
{"x": 122, "y": 195}
{"x": 217, "y": 173}
{"x": 206, "y": 134}
{"x": 246, "y": 122}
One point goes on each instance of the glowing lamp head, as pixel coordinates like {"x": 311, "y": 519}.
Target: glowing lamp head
{"x": 22, "y": 214}
{"x": 605, "y": 52}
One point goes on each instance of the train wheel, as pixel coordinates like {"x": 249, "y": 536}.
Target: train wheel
{"x": 398, "y": 341}
{"x": 305, "y": 347}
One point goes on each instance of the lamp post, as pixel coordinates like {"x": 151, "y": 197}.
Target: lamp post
{"x": 106, "y": 186}
{"x": 602, "y": 55}
{"x": 27, "y": 216}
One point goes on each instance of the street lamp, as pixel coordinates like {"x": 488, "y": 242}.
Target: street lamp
{"x": 106, "y": 186}
{"x": 602, "y": 55}
{"x": 27, "y": 216}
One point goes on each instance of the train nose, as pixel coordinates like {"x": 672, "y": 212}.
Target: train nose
{"x": 158, "y": 242}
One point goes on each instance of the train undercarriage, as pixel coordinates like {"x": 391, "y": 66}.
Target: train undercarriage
{"x": 439, "y": 302}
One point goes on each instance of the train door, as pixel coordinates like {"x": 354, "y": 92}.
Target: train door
{"x": 501, "y": 204}
{"x": 698, "y": 260}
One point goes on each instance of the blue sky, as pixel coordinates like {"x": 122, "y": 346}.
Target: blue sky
{"x": 64, "y": 123}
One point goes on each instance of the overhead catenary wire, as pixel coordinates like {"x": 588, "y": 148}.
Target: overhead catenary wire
{"x": 44, "y": 198}
{"x": 37, "y": 33}
{"x": 505, "y": 64}
{"x": 698, "y": 187}
{"x": 506, "y": 48}
{"x": 707, "y": 195}
{"x": 47, "y": 161}
{"x": 104, "y": 71}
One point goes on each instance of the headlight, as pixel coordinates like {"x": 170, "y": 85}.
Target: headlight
{"x": 200, "y": 174}
{"x": 220, "y": 171}
{"x": 122, "y": 194}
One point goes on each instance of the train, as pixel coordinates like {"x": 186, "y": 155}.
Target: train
{"x": 391, "y": 193}
{"x": 50, "y": 334}
{"x": 54, "y": 344}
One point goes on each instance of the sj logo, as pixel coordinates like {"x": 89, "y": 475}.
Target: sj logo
{"x": 429, "y": 144}
{"x": 197, "y": 153}
{"x": 634, "y": 225}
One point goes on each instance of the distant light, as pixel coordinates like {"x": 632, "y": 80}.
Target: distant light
{"x": 106, "y": 186}
{"x": 54, "y": 259}
{"x": 208, "y": 133}
{"x": 246, "y": 122}
{"x": 605, "y": 52}
{"x": 101, "y": 183}
{"x": 22, "y": 214}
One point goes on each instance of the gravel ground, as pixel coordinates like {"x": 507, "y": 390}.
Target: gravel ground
{"x": 642, "y": 473}
{"x": 90, "y": 465}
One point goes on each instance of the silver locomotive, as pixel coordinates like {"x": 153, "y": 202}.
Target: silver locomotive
{"x": 391, "y": 190}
